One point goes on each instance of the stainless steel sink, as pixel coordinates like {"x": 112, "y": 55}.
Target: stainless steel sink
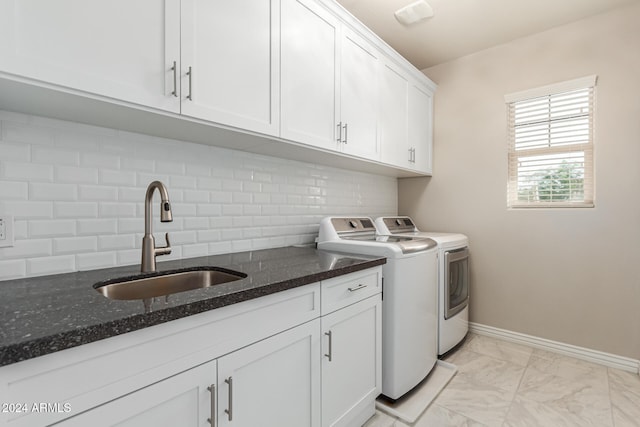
{"x": 161, "y": 284}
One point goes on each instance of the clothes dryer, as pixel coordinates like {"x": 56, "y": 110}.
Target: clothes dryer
{"x": 453, "y": 277}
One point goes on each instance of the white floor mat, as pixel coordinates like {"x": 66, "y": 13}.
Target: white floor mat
{"x": 410, "y": 406}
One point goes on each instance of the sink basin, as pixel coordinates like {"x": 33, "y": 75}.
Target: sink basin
{"x": 145, "y": 286}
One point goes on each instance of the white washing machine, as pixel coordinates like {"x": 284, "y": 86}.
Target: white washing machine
{"x": 409, "y": 299}
{"x": 453, "y": 277}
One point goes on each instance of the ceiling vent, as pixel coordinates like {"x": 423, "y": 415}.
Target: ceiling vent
{"x": 414, "y": 12}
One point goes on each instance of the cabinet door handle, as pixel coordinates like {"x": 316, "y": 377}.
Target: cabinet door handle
{"x": 190, "y": 74}
{"x": 230, "y": 410}
{"x": 345, "y": 133}
{"x": 357, "y": 288}
{"x": 212, "y": 390}
{"x": 175, "y": 79}
{"x": 339, "y": 138}
{"x": 410, "y": 152}
{"x": 414, "y": 155}
{"x": 330, "y": 353}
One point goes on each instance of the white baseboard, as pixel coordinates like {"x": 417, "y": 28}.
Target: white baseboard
{"x": 594, "y": 356}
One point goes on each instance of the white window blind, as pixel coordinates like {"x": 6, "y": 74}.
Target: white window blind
{"x": 551, "y": 145}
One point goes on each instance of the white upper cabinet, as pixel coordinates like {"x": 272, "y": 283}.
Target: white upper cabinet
{"x": 420, "y": 128}
{"x": 406, "y": 121}
{"x": 358, "y": 96}
{"x": 117, "y": 48}
{"x": 329, "y": 76}
{"x": 234, "y": 73}
{"x": 393, "y": 126}
{"x": 229, "y": 62}
{"x": 309, "y": 74}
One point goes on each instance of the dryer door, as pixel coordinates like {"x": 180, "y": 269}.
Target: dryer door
{"x": 456, "y": 280}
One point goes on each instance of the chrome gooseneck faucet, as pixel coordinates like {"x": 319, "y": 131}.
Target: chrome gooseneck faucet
{"x": 149, "y": 249}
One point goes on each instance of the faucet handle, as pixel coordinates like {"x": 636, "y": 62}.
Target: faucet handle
{"x": 164, "y": 250}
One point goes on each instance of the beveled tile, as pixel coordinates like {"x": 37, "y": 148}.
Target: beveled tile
{"x": 439, "y": 416}
{"x": 475, "y": 400}
{"x": 625, "y": 397}
{"x": 580, "y": 399}
{"x": 488, "y": 370}
{"x": 503, "y": 350}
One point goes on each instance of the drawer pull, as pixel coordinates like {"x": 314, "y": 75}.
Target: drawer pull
{"x": 230, "y": 410}
{"x": 329, "y": 355}
{"x": 357, "y": 288}
{"x": 212, "y": 390}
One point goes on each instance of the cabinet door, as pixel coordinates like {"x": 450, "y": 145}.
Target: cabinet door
{"x": 421, "y": 128}
{"x": 309, "y": 74}
{"x": 119, "y": 49}
{"x": 358, "y": 96}
{"x": 275, "y": 382}
{"x": 394, "y": 99}
{"x": 351, "y": 365}
{"x": 229, "y": 70}
{"x": 182, "y": 400}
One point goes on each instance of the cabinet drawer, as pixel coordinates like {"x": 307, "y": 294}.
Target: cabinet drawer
{"x": 345, "y": 290}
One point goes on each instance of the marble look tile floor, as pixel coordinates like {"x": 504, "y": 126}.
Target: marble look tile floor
{"x": 502, "y": 384}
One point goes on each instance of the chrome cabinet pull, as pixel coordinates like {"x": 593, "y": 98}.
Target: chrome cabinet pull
{"x": 339, "y": 138}
{"x": 230, "y": 410}
{"x": 190, "y": 74}
{"x": 175, "y": 79}
{"x": 330, "y": 354}
{"x": 410, "y": 152}
{"x": 212, "y": 390}
{"x": 345, "y": 133}
{"x": 357, "y": 288}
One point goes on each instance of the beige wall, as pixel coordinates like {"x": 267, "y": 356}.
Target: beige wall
{"x": 569, "y": 275}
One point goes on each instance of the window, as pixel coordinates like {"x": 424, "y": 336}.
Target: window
{"x": 551, "y": 145}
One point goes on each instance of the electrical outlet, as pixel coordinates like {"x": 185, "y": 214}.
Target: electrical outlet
{"x": 6, "y": 231}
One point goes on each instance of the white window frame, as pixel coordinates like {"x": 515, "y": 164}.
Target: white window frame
{"x": 522, "y": 154}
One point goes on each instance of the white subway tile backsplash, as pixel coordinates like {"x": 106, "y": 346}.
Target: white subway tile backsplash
{"x": 117, "y": 177}
{"x": 117, "y": 242}
{"x": 97, "y": 227}
{"x": 33, "y": 135}
{"x": 28, "y": 172}
{"x": 94, "y": 261}
{"x": 73, "y": 245}
{"x": 98, "y": 192}
{"x": 77, "y": 196}
{"x": 99, "y": 160}
{"x": 53, "y": 192}
{"x": 52, "y": 228}
{"x": 73, "y": 174}
{"x": 25, "y": 248}
{"x": 55, "y": 156}
{"x": 50, "y": 265}
{"x": 15, "y": 152}
{"x": 74, "y": 209}
{"x": 13, "y": 269}
{"x": 117, "y": 209}
{"x": 28, "y": 209}
{"x": 14, "y": 190}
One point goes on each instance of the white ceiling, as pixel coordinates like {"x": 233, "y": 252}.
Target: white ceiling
{"x": 461, "y": 27}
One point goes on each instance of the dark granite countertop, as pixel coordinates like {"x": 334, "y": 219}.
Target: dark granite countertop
{"x": 42, "y": 315}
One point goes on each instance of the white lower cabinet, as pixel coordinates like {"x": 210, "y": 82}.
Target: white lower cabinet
{"x": 351, "y": 311}
{"x": 274, "y": 382}
{"x": 304, "y": 357}
{"x": 351, "y": 363}
{"x": 181, "y": 400}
